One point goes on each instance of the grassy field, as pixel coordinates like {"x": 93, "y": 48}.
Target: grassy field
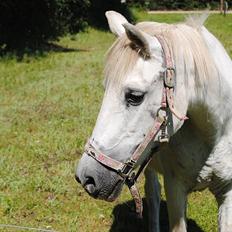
{"x": 48, "y": 106}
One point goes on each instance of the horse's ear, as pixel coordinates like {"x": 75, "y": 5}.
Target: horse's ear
{"x": 142, "y": 40}
{"x": 116, "y": 21}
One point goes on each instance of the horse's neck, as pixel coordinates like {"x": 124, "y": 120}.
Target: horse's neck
{"x": 220, "y": 56}
{"x": 223, "y": 65}
{"x": 214, "y": 112}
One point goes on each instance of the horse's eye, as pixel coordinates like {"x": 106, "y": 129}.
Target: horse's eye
{"x": 134, "y": 98}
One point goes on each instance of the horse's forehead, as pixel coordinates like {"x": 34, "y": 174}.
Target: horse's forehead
{"x": 143, "y": 72}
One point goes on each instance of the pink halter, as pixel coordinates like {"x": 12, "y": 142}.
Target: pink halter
{"x": 125, "y": 170}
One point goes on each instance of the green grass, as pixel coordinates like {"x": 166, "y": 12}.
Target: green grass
{"x": 48, "y": 107}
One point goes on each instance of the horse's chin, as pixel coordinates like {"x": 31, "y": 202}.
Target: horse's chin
{"x": 115, "y": 192}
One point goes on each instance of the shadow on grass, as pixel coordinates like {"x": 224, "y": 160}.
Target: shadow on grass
{"x": 125, "y": 219}
{"x": 36, "y": 51}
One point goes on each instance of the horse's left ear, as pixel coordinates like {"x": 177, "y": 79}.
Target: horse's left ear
{"x": 145, "y": 42}
{"x": 116, "y": 21}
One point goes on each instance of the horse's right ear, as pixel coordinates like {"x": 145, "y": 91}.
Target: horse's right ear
{"x": 116, "y": 21}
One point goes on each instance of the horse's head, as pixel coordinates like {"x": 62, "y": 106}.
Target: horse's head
{"x": 134, "y": 87}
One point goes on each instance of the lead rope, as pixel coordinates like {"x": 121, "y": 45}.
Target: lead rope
{"x": 131, "y": 180}
{"x": 131, "y": 183}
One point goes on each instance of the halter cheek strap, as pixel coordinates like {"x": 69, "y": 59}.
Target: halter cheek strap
{"x": 125, "y": 170}
{"x": 169, "y": 80}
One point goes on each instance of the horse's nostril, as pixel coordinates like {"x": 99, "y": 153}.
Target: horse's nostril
{"x": 90, "y": 186}
{"x": 89, "y": 180}
{"x": 77, "y": 179}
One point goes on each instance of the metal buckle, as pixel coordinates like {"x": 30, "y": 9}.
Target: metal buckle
{"x": 90, "y": 151}
{"x": 169, "y": 80}
{"x": 128, "y": 167}
{"x": 163, "y": 138}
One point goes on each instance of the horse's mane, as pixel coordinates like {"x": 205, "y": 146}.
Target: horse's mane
{"x": 189, "y": 49}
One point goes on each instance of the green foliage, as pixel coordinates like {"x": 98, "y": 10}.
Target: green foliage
{"x": 27, "y": 23}
{"x": 178, "y": 4}
{"x": 71, "y": 14}
{"x": 98, "y": 8}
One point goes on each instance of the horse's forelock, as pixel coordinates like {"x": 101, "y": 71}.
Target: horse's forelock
{"x": 120, "y": 59}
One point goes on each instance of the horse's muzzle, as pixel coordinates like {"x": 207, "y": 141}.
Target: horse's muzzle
{"x": 89, "y": 185}
{"x": 98, "y": 181}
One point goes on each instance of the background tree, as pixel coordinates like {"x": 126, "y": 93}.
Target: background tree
{"x": 28, "y": 23}
{"x": 98, "y": 8}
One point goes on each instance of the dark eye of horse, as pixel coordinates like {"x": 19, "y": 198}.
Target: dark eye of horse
{"x": 134, "y": 98}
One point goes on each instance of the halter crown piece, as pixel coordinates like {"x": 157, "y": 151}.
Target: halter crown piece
{"x": 125, "y": 170}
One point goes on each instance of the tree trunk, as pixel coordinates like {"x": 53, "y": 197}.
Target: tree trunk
{"x": 221, "y": 6}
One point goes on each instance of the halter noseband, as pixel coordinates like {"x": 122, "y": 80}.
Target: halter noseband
{"x": 125, "y": 170}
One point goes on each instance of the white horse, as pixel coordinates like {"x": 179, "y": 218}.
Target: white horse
{"x": 199, "y": 154}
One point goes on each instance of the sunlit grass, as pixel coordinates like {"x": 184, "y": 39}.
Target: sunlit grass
{"x": 48, "y": 107}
